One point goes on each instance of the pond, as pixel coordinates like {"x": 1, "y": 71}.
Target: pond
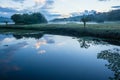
{"x": 56, "y": 57}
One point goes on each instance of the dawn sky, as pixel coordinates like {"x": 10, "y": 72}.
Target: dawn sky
{"x": 55, "y": 8}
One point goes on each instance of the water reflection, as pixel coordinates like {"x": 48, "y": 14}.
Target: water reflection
{"x": 83, "y": 43}
{"x": 4, "y": 38}
{"x": 28, "y": 35}
{"x": 113, "y": 58}
{"x": 6, "y": 57}
{"x": 41, "y": 51}
{"x": 86, "y": 42}
{"x": 39, "y": 43}
{"x": 44, "y": 40}
{"x": 56, "y": 55}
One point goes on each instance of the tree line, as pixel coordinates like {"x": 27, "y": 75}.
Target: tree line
{"x": 113, "y": 15}
{"x": 33, "y": 18}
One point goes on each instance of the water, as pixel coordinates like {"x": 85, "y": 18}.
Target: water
{"x": 55, "y": 57}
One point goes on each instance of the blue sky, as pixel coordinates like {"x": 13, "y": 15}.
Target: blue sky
{"x": 55, "y": 8}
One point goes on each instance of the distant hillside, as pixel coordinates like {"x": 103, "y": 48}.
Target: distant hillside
{"x": 3, "y": 19}
{"x": 113, "y": 15}
{"x": 76, "y": 18}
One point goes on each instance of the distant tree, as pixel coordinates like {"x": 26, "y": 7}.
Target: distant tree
{"x": 85, "y": 19}
{"x": 6, "y": 22}
{"x": 33, "y": 18}
{"x": 114, "y": 15}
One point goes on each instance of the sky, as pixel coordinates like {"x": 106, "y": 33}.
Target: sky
{"x": 55, "y": 8}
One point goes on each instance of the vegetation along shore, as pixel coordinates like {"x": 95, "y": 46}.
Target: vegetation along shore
{"x": 101, "y": 30}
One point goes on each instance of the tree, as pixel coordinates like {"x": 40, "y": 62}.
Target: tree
{"x": 85, "y": 19}
{"x": 6, "y": 22}
{"x": 17, "y": 18}
{"x": 33, "y": 18}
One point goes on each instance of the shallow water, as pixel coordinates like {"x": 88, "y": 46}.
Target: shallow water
{"x": 55, "y": 57}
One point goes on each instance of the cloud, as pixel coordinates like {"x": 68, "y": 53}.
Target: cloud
{"x": 39, "y": 1}
{"x": 46, "y": 9}
{"x": 43, "y": 6}
{"x": 103, "y": 0}
{"x": 116, "y": 7}
{"x": 48, "y": 4}
{"x": 11, "y": 10}
{"x": 21, "y": 1}
{"x": 7, "y": 12}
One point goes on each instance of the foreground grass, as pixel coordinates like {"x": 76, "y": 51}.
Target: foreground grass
{"x": 111, "y": 30}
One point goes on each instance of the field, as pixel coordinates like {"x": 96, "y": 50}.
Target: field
{"x": 103, "y": 30}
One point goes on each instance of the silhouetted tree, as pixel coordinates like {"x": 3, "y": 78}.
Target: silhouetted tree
{"x": 85, "y": 19}
{"x": 6, "y": 22}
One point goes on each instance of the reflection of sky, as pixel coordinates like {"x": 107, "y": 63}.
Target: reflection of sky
{"x": 41, "y": 51}
{"x": 39, "y": 43}
{"x": 53, "y": 54}
{"x": 45, "y": 40}
{"x": 5, "y": 38}
{"x": 6, "y": 56}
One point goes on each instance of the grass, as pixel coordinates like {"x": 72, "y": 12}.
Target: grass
{"x": 105, "y": 30}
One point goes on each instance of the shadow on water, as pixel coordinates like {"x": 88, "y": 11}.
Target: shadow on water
{"x": 113, "y": 58}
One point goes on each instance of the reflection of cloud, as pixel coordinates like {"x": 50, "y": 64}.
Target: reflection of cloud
{"x": 6, "y": 57}
{"x": 39, "y": 43}
{"x": 43, "y": 41}
{"x": 61, "y": 43}
{"x": 41, "y": 52}
{"x": 2, "y": 37}
{"x": 12, "y": 48}
{"x": 25, "y": 46}
{"x": 49, "y": 39}
{"x": 6, "y": 40}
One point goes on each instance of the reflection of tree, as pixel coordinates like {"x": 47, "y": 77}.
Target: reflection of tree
{"x": 113, "y": 57}
{"x": 34, "y": 35}
{"x": 86, "y": 42}
{"x": 83, "y": 43}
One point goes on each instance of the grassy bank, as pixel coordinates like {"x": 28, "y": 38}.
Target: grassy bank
{"x": 110, "y": 31}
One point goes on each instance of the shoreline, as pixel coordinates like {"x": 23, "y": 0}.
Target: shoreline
{"x": 107, "y": 31}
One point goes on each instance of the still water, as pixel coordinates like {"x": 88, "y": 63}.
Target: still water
{"x": 55, "y": 57}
